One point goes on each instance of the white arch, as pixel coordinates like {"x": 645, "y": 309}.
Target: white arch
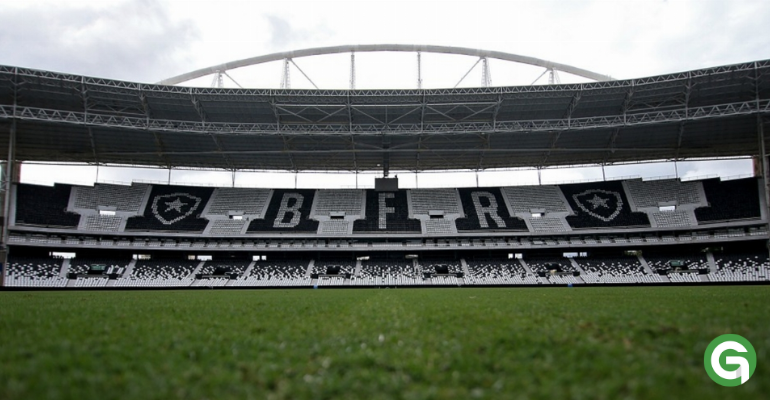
{"x": 383, "y": 48}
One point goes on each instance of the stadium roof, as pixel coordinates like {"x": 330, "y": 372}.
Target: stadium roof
{"x": 704, "y": 113}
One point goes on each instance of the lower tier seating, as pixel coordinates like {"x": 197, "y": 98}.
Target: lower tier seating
{"x": 42, "y": 272}
{"x": 35, "y": 272}
{"x": 159, "y": 273}
{"x": 276, "y": 273}
{"x": 498, "y": 272}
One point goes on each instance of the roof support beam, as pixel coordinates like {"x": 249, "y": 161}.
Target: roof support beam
{"x": 420, "y": 149}
{"x": 383, "y": 48}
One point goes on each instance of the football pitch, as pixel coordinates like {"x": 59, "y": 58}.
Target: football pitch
{"x": 458, "y": 343}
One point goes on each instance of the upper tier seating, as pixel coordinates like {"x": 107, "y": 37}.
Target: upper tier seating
{"x": 386, "y": 212}
{"x": 45, "y": 206}
{"x": 730, "y": 200}
{"x": 548, "y": 224}
{"x": 543, "y": 208}
{"x": 128, "y": 199}
{"x": 337, "y": 209}
{"x": 646, "y": 194}
{"x": 485, "y": 210}
{"x": 35, "y": 272}
{"x": 289, "y": 210}
{"x": 330, "y": 201}
{"x": 101, "y": 223}
{"x": 524, "y": 199}
{"x": 601, "y": 205}
{"x": 672, "y": 218}
{"x": 173, "y": 208}
{"x": 426, "y": 200}
{"x": 247, "y": 202}
{"x": 226, "y": 227}
{"x": 426, "y": 203}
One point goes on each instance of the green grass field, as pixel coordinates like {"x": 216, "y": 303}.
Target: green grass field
{"x": 582, "y": 343}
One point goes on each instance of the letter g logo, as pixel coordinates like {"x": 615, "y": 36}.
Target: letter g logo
{"x": 724, "y": 354}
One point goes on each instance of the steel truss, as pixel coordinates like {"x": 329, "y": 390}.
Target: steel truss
{"x": 466, "y": 128}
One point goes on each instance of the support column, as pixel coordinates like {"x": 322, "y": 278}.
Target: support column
{"x": 9, "y": 173}
{"x": 763, "y": 157}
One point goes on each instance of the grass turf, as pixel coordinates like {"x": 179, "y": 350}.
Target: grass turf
{"x": 582, "y": 343}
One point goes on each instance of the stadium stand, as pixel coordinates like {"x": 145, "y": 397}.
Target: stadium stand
{"x": 498, "y": 272}
{"x": 437, "y": 209}
{"x": 485, "y": 209}
{"x": 230, "y": 210}
{"x": 741, "y": 267}
{"x": 729, "y": 200}
{"x": 386, "y": 212}
{"x": 81, "y": 265}
{"x": 159, "y": 273}
{"x": 545, "y": 264}
{"x": 173, "y": 208}
{"x": 650, "y": 196}
{"x": 289, "y": 211}
{"x": 44, "y": 206}
{"x": 600, "y": 205}
{"x": 124, "y": 199}
{"x": 35, "y": 272}
{"x": 336, "y": 210}
{"x": 615, "y": 269}
{"x": 246, "y": 202}
{"x": 389, "y": 273}
{"x": 543, "y": 208}
{"x": 278, "y": 273}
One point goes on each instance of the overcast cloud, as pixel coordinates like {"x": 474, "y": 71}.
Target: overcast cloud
{"x": 131, "y": 40}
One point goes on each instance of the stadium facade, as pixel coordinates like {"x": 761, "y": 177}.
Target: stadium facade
{"x": 627, "y": 231}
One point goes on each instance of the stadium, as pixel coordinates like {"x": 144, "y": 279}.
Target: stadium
{"x": 638, "y": 240}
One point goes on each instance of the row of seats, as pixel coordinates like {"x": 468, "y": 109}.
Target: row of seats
{"x": 48, "y": 272}
{"x": 610, "y": 204}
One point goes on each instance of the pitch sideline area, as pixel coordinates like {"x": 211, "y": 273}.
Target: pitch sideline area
{"x": 604, "y": 343}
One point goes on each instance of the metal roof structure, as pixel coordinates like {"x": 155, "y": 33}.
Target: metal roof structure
{"x": 363, "y": 48}
{"x": 707, "y": 113}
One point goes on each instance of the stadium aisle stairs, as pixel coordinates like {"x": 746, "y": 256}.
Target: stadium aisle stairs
{"x": 309, "y": 269}
{"x": 466, "y": 271}
{"x": 645, "y": 265}
{"x": 232, "y": 282}
{"x": 649, "y": 270}
{"x": 712, "y": 263}
{"x": 357, "y": 272}
{"x": 197, "y": 271}
{"x": 577, "y": 266}
{"x": 65, "y": 266}
{"x": 129, "y": 268}
{"x": 526, "y": 266}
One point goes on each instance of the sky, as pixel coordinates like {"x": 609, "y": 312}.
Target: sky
{"x": 149, "y": 40}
